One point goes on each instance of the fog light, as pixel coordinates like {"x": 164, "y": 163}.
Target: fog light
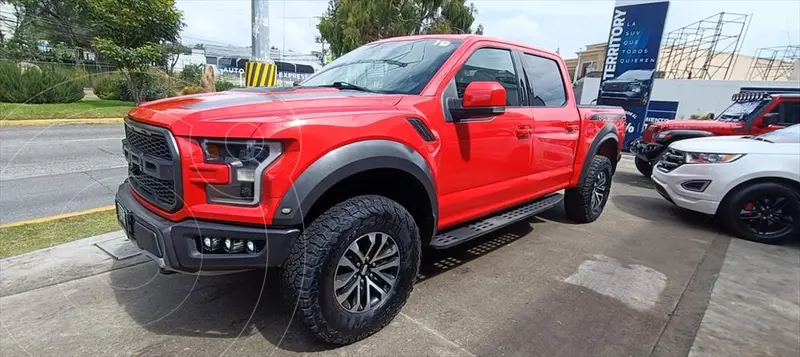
{"x": 211, "y": 244}
{"x": 234, "y": 246}
{"x": 251, "y": 247}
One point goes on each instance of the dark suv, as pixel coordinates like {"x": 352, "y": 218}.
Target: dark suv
{"x": 630, "y": 86}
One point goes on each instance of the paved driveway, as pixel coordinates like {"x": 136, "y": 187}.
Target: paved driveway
{"x": 634, "y": 283}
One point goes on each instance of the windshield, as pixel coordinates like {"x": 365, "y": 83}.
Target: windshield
{"x": 640, "y": 74}
{"x": 402, "y": 67}
{"x": 738, "y": 111}
{"x": 788, "y": 135}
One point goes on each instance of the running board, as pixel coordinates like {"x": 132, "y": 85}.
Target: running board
{"x": 478, "y": 228}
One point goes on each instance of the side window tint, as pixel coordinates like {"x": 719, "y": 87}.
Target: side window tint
{"x": 490, "y": 64}
{"x": 545, "y": 82}
{"x": 790, "y": 113}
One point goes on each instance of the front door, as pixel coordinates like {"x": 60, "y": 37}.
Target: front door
{"x": 484, "y": 160}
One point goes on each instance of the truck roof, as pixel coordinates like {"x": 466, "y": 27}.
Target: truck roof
{"x": 468, "y": 39}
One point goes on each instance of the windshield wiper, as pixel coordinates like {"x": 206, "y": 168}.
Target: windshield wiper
{"x": 345, "y": 85}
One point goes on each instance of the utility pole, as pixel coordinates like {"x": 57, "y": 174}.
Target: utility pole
{"x": 260, "y": 30}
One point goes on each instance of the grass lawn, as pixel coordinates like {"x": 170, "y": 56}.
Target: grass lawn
{"x": 79, "y": 110}
{"x": 27, "y": 238}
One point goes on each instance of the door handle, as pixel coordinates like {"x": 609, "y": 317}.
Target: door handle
{"x": 524, "y": 131}
{"x": 571, "y": 128}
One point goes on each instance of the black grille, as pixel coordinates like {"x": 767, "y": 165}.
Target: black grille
{"x": 150, "y": 143}
{"x": 161, "y": 191}
{"x": 671, "y": 160}
{"x": 617, "y": 87}
{"x": 153, "y": 165}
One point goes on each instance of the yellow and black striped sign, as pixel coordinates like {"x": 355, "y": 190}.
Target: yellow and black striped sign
{"x": 260, "y": 74}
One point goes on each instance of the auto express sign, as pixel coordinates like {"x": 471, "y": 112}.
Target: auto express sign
{"x": 631, "y": 59}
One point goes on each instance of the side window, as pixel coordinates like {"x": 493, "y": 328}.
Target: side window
{"x": 544, "y": 81}
{"x": 790, "y": 113}
{"x": 490, "y": 64}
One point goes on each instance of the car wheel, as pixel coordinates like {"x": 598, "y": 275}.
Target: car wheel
{"x": 766, "y": 212}
{"x": 585, "y": 202}
{"x": 353, "y": 268}
{"x": 644, "y": 166}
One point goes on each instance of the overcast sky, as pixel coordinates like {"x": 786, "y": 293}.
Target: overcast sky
{"x": 566, "y": 25}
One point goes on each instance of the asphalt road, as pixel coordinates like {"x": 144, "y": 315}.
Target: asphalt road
{"x": 45, "y": 171}
{"x": 637, "y": 282}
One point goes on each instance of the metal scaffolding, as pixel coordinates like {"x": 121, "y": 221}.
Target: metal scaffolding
{"x": 704, "y": 49}
{"x": 774, "y": 63}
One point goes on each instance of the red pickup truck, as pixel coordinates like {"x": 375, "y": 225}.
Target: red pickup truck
{"x": 751, "y": 113}
{"x": 402, "y": 144}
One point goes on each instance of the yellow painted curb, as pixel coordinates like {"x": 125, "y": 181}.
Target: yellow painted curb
{"x": 58, "y": 216}
{"x": 47, "y": 122}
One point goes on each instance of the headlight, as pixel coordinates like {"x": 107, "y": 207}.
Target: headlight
{"x": 710, "y": 158}
{"x": 636, "y": 89}
{"x": 247, "y": 159}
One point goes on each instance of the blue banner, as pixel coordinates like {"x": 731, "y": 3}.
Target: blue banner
{"x": 659, "y": 110}
{"x": 631, "y": 59}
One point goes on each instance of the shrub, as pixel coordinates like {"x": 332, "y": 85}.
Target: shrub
{"x": 191, "y": 74}
{"x": 35, "y": 85}
{"x": 107, "y": 86}
{"x": 222, "y": 86}
{"x": 193, "y": 89}
{"x": 151, "y": 85}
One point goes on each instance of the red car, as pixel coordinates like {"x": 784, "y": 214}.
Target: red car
{"x": 751, "y": 113}
{"x": 402, "y": 144}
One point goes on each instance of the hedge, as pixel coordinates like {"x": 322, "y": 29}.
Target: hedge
{"x": 39, "y": 84}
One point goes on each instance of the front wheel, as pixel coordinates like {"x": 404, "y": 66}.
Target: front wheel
{"x": 353, "y": 268}
{"x": 585, "y": 203}
{"x": 766, "y": 212}
{"x": 644, "y": 166}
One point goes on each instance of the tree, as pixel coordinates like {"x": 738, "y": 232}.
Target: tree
{"x": 57, "y": 21}
{"x": 348, "y": 24}
{"x": 132, "y": 35}
{"x": 172, "y": 52}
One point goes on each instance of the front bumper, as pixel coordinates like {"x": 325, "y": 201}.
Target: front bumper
{"x": 174, "y": 245}
{"x": 668, "y": 185}
{"x": 627, "y": 96}
{"x": 649, "y": 152}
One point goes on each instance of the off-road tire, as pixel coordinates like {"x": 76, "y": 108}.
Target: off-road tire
{"x": 308, "y": 272}
{"x": 644, "y": 167}
{"x": 732, "y": 205}
{"x": 578, "y": 200}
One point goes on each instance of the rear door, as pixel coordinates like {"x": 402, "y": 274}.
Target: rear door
{"x": 556, "y": 122}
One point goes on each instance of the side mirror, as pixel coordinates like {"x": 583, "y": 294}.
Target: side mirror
{"x": 481, "y": 99}
{"x": 484, "y": 94}
{"x": 770, "y": 119}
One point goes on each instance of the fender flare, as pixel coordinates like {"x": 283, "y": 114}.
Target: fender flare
{"x": 348, "y": 160}
{"x": 608, "y": 132}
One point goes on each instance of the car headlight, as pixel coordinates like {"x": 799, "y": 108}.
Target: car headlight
{"x": 247, "y": 160}
{"x": 636, "y": 89}
{"x": 710, "y": 158}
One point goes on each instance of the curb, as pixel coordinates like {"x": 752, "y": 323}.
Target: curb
{"x": 58, "y": 216}
{"x": 48, "y": 122}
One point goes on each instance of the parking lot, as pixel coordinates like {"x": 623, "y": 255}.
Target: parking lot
{"x": 637, "y": 282}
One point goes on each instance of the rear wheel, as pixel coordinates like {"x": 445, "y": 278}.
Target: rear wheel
{"x": 766, "y": 212}
{"x": 353, "y": 268}
{"x": 644, "y": 166}
{"x": 585, "y": 203}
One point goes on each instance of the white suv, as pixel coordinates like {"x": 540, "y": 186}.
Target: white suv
{"x": 752, "y": 183}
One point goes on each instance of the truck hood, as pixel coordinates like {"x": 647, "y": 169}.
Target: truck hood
{"x": 694, "y": 125}
{"x": 238, "y": 113}
{"x": 733, "y": 145}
